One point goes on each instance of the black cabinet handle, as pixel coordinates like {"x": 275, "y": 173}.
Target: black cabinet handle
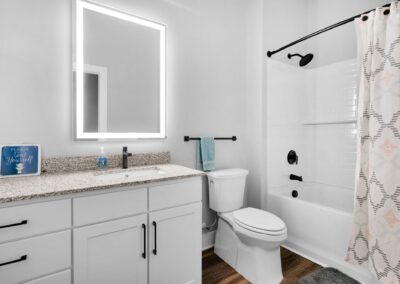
{"x": 155, "y": 238}
{"x": 24, "y": 222}
{"x": 22, "y": 258}
{"x": 144, "y": 241}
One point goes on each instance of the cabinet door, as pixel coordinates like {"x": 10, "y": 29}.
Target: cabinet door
{"x": 175, "y": 245}
{"x": 111, "y": 252}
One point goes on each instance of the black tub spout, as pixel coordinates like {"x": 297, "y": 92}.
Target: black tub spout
{"x": 294, "y": 177}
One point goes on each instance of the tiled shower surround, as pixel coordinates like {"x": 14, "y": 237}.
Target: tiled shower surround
{"x": 332, "y": 97}
{"x": 312, "y": 111}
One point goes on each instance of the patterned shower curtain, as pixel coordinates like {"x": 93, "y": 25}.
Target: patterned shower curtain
{"x": 375, "y": 240}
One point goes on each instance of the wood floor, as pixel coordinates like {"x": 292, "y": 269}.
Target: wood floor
{"x": 216, "y": 271}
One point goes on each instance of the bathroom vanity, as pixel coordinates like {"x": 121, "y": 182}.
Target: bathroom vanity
{"x": 86, "y": 227}
{"x": 78, "y": 225}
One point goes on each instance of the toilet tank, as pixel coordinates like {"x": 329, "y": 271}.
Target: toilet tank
{"x": 226, "y": 189}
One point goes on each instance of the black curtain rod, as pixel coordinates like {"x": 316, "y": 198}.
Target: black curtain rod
{"x": 270, "y": 53}
{"x": 187, "y": 138}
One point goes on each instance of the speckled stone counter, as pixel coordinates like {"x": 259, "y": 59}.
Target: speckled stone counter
{"x": 86, "y": 163}
{"x": 56, "y": 184}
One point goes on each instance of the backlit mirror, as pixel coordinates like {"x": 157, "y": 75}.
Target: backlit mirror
{"x": 119, "y": 74}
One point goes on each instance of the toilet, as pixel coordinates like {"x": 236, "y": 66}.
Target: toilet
{"x": 248, "y": 239}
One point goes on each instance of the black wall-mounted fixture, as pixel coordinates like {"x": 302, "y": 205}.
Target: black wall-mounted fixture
{"x": 295, "y": 193}
{"x": 304, "y": 59}
{"x": 292, "y": 157}
{"x": 349, "y": 20}
{"x": 125, "y": 155}
{"x": 294, "y": 177}
{"x": 188, "y": 138}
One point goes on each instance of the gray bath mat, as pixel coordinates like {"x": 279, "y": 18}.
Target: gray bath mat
{"x": 327, "y": 275}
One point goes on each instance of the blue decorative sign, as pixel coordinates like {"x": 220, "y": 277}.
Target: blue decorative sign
{"x": 19, "y": 160}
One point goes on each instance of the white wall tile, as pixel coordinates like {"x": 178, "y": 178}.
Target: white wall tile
{"x": 286, "y": 110}
{"x": 327, "y": 152}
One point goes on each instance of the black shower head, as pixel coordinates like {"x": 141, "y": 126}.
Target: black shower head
{"x": 304, "y": 59}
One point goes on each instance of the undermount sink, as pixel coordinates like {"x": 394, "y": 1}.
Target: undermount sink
{"x": 126, "y": 174}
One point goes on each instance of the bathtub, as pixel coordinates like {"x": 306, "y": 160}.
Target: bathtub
{"x": 319, "y": 222}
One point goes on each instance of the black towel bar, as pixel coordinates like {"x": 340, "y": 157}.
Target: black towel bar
{"x": 187, "y": 138}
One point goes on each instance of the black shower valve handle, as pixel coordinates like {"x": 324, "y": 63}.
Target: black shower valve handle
{"x": 294, "y": 177}
{"x": 292, "y": 157}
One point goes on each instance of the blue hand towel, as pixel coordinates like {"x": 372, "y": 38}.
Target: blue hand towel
{"x": 206, "y": 154}
{"x": 199, "y": 164}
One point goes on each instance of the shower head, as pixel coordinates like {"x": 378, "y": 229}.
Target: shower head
{"x": 304, "y": 59}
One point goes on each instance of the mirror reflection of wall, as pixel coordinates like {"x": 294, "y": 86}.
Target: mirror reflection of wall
{"x": 95, "y": 98}
{"x": 91, "y": 103}
{"x": 123, "y": 70}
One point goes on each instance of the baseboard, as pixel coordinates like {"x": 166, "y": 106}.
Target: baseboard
{"x": 300, "y": 252}
{"x": 208, "y": 239}
{"x": 358, "y": 273}
{"x": 207, "y": 248}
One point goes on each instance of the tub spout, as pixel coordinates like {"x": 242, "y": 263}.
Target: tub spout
{"x": 294, "y": 177}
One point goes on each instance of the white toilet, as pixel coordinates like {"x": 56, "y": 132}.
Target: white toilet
{"x": 248, "y": 239}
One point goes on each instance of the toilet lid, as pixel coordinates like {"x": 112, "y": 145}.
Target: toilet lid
{"x": 228, "y": 173}
{"x": 259, "y": 220}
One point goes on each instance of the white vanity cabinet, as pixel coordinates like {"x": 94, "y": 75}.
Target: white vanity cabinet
{"x": 132, "y": 235}
{"x": 175, "y": 251}
{"x": 63, "y": 277}
{"x": 35, "y": 241}
{"x": 111, "y": 252}
{"x": 160, "y": 245}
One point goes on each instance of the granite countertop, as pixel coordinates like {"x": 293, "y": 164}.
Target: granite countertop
{"x": 56, "y": 184}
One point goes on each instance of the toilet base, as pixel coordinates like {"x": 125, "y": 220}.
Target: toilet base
{"x": 260, "y": 264}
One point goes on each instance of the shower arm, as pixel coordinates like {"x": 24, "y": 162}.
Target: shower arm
{"x": 341, "y": 23}
{"x": 294, "y": 54}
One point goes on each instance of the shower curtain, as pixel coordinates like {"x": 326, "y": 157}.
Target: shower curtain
{"x": 375, "y": 240}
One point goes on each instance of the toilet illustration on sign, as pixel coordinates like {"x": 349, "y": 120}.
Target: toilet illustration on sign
{"x": 19, "y": 168}
{"x": 19, "y": 160}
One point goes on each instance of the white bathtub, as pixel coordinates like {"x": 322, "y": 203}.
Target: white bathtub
{"x": 319, "y": 223}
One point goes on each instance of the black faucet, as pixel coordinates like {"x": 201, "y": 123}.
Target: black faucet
{"x": 294, "y": 177}
{"x": 125, "y": 156}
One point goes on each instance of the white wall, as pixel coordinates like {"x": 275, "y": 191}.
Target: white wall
{"x": 284, "y": 22}
{"x": 209, "y": 75}
{"x": 254, "y": 103}
{"x": 339, "y": 44}
{"x": 206, "y": 76}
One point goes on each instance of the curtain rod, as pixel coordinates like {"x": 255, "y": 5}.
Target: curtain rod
{"x": 270, "y": 53}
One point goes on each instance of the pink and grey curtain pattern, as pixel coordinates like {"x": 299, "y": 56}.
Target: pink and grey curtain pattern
{"x": 375, "y": 240}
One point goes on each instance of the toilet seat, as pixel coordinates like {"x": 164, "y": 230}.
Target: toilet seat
{"x": 259, "y": 221}
{"x": 251, "y": 232}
